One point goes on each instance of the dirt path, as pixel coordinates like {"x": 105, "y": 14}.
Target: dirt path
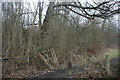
{"x": 60, "y": 73}
{"x": 115, "y": 67}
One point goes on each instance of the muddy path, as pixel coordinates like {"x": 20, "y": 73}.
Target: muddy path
{"x": 115, "y": 65}
{"x": 60, "y": 73}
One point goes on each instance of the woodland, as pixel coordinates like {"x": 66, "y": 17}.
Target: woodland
{"x": 77, "y": 39}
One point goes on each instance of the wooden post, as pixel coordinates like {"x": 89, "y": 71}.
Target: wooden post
{"x": 107, "y": 64}
{"x": 69, "y": 63}
{"x": 85, "y": 60}
{"x": 55, "y": 58}
{"x": 79, "y": 59}
{"x": 46, "y": 62}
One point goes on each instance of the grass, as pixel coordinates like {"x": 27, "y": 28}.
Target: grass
{"x": 113, "y": 53}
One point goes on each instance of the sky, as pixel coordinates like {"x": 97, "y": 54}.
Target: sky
{"x": 44, "y": 0}
{"x": 33, "y": 4}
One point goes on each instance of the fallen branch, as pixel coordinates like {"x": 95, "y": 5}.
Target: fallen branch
{"x": 46, "y": 62}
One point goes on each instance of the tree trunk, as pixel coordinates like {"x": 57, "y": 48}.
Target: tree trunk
{"x": 46, "y": 24}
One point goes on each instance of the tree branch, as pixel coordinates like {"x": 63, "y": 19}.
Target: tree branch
{"x": 101, "y": 10}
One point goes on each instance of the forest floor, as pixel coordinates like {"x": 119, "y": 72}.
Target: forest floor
{"x": 78, "y": 70}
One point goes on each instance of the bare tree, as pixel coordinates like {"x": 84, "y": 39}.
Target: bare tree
{"x": 100, "y": 9}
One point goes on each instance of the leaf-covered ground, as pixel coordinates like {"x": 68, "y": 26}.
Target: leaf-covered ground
{"x": 77, "y": 70}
